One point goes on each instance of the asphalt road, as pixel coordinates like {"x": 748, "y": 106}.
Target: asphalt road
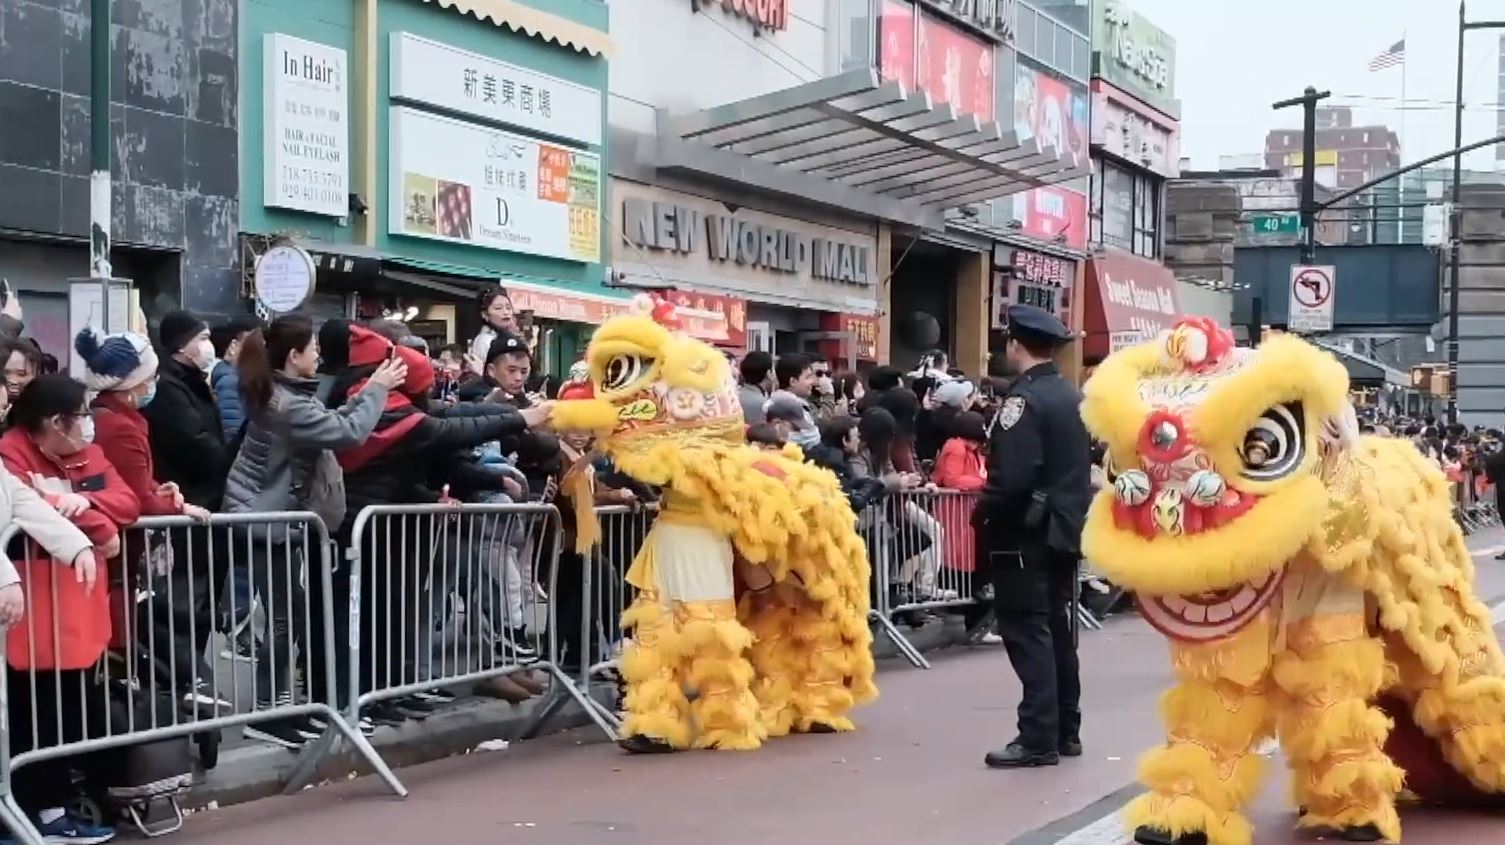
{"x": 913, "y": 772}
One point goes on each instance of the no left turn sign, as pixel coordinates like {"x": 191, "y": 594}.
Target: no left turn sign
{"x": 1311, "y": 298}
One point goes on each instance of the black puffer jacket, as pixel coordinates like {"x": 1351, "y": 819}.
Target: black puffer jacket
{"x": 391, "y": 467}
{"x": 187, "y": 437}
{"x": 861, "y": 492}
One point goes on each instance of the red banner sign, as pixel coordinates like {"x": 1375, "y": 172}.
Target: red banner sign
{"x": 712, "y": 317}
{"x": 863, "y": 331}
{"x": 1129, "y": 300}
{"x": 1053, "y": 213}
{"x": 944, "y": 61}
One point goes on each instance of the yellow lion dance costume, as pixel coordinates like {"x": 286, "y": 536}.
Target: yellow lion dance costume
{"x": 1312, "y": 582}
{"x": 796, "y": 654}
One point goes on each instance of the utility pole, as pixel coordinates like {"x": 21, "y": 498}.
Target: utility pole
{"x": 99, "y": 155}
{"x": 1308, "y": 102}
{"x": 1455, "y": 218}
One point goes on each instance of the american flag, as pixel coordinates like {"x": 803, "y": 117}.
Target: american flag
{"x": 1395, "y": 54}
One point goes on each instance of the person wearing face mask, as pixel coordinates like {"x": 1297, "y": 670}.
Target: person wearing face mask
{"x": 122, "y": 371}
{"x": 49, "y": 447}
{"x": 189, "y": 451}
{"x": 187, "y": 436}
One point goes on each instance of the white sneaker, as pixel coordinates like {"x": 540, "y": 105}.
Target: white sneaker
{"x": 989, "y": 638}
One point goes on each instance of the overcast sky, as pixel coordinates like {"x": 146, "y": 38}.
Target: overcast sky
{"x": 1235, "y": 58}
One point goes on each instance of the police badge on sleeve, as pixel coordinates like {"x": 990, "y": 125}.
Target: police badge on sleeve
{"x": 1009, "y": 414}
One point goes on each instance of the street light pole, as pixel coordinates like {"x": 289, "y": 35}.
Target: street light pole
{"x": 1308, "y": 102}
{"x": 99, "y": 155}
{"x": 1455, "y": 218}
{"x": 1455, "y": 228}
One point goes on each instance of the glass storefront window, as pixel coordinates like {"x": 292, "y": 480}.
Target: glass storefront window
{"x": 854, "y": 28}
{"x": 1125, "y": 207}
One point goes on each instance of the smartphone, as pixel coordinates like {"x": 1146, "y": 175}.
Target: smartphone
{"x": 392, "y": 352}
{"x": 4, "y": 291}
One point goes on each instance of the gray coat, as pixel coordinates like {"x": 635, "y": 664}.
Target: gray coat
{"x": 286, "y": 460}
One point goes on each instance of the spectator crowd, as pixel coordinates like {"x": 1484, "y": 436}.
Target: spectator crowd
{"x": 244, "y": 417}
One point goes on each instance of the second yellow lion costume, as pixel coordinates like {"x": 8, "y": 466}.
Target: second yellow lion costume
{"x": 797, "y": 655}
{"x": 1312, "y": 582}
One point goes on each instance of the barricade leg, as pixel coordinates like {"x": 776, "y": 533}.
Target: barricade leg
{"x": 17, "y": 822}
{"x": 562, "y": 690}
{"x": 338, "y": 724}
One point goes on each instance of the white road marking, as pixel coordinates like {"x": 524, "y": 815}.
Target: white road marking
{"x": 1108, "y": 830}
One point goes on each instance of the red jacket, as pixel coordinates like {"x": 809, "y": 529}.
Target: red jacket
{"x": 55, "y": 599}
{"x": 960, "y": 466}
{"x": 120, "y": 431}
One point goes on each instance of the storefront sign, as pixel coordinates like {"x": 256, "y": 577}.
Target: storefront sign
{"x": 714, "y": 319}
{"x": 1136, "y": 55}
{"x": 467, "y": 83}
{"x": 1145, "y": 139}
{"x": 951, "y": 65}
{"x": 729, "y": 237}
{"x": 464, "y": 183}
{"x": 307, "y": 135}
{"x": 993, "y": 17}
{"x": 1027, "y": 277}
{"x": 284, "y": 277}
{"x": 1053, "y": 214}
{"x": 764, "y": 14}
{"x": 564, "y": 305}
{"x": 729, "y": 312}
{"x": 862, "y": 334}
{"x": 1129, "y": 300}
{"x": 703, "y": 245}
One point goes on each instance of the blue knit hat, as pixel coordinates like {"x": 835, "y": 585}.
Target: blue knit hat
{"x": 114, "y": 362}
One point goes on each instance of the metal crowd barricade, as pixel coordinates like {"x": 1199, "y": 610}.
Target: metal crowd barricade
{"x": 923, "y": 555}
{"x": 152, "y": 683}
{"x": 447, "y": 595}
{"x": 587, "y": 648}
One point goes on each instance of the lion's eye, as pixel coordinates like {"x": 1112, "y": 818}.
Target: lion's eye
{"x": 1274, "y": 446}
{"x": 622, "y": 370}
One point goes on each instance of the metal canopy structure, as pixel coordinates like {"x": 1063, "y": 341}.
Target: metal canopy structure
{"x": 855, "y": 141}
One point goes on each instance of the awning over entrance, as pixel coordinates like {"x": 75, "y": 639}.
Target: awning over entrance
{"x": 856, "y": 142}
{"x": 1129, "y": 300}
{"x": 519, "y": 17}
{"x": 348, "y": 268}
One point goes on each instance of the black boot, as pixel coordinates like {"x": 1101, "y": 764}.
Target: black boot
{"x": 1070, "y": 747}
{"x": 1016, "y": 756}
{"x": 1361, "y": 833}
{"x": 1156, "y": 836}
{"x": 644, "y": 744}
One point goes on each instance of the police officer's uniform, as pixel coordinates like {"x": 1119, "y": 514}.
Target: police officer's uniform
{"x": 1029, "y": 522}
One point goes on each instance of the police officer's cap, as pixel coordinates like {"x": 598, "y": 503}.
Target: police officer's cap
{"x": 1030, "y": 324}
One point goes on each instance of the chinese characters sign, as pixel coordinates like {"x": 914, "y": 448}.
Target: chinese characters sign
{"x": 307, "y": 140}
{"x": 437, "y": 74}
{"x": 1032, "y": 278}
{"x": 861, "y": 331}
{"x": 465, "y": 183}
{"x": 730, "y": 329}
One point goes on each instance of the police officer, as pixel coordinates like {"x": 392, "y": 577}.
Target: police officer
{"x": 1029, "y": 525}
